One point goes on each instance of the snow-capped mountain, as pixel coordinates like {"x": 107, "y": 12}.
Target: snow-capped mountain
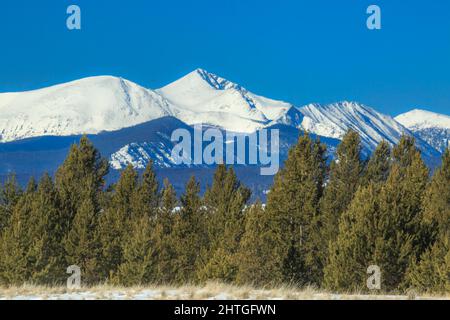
{"x": 108, "y": 104}
{"x": 431, "y": 127}
{"x": 334, "y": 120}
{"x": 203, "y": 97}
{"x": 89, "y": 105}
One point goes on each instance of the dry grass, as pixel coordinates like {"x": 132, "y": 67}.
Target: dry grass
{"x": 212, "y": 291}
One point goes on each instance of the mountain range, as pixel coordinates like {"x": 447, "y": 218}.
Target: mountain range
{"x": 133, "y": 124}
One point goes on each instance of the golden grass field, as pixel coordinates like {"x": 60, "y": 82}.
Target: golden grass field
{"x": 210, "y": 291}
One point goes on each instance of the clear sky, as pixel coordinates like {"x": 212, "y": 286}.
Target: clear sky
{"x": 299, "y": 51}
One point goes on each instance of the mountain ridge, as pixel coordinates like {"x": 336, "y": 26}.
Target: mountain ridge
{"x": 434, "y": 128}
{"x": 104, "y": 103}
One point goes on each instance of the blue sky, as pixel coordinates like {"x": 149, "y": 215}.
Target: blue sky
{"x": 298, "y": 51}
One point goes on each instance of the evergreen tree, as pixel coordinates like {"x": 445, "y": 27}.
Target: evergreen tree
{"x": 405, "y": 151}
{"x": 294, "y": 202}
{"x": 292, "y": 215}
{"x": 189, "y": 234}
{"x": 81, "y": 245}
{"x": 149, "y": 197}
{"x": 379, "y": 165}
{"x": 30, "y": 245}
{"x": 432, "y": 272}
{"x": 114, "y": 224}
{"x": 353, "y": 251}
{"x": 225, "y": 201}
{"x": 402, "y": 234}
{"x": 9, "y": 196}
{"x": 80, "y": 176}
{"x": 135, "y": 268}
{"x": 260, "y": 253}
{"x": 344, "y": 179}
{"x": 14, "y": 243}
{"x": 46, "y": 253}
{"x": 162, "y": 270}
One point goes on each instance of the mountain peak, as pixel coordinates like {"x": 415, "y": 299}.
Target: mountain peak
{"x": 423, "y": 119}
{"x": 214, "y": 81}
{"x": 89, "y": 105}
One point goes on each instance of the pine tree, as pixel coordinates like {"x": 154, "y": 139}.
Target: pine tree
{"x": 9, "y": 196}
{"x": 353, "y": 251}
{"x": 189, "y": 234}
{"x": 379, "y": 164}
{"x": 344, "y": 179}
{"x": 81, "y": 175}
{"x": 114, "y": 224}
{"x": 14, "y": 244}
{"x": 260, "y": 252}
{"x": 164, "y": 254}
{"x": 292, "y": 209}
{"x": 294, "y": 203}
{"x": 148, "y": 194}
{"x": 225, "y": 201}
{"x": 46, "y": 253}
{"x": 137, "y": 254}
{"x": 401, "y": 215}
{"x": 162, "y": 270}
{"x": 81, "y": 245}
{"x": 431, "y": 273}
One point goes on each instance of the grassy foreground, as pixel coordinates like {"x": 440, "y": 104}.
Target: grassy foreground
{"x": 212, "y": 291}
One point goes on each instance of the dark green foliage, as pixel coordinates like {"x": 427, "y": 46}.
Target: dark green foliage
{"x": 30, "y": 245}
{"x": 382, "y": 226}
{"x": 431, "y": 272}
{"x": 379, "y": 165}
{"x": 293, "y": 206}
{"x": 353, "y": 251}
{"x": 135, "y": 268}
{"x": 224, "y": 201}
{"x": 344, "y": 179}
{"x": 81, "y": 247}
{"x": 114, "y": 222}
{"x": 80, "y": 176}
{"x": 10, "y": 194}
{"x": 148, "y": 197}
{"x": 162, "y": 237}
{"x": 260, "y": 253}
{"x": 189, "y": 233}
{"x": 321, "y": 226}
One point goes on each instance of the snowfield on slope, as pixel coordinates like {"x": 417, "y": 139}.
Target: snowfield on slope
{"x": 89, "y": 105}
{"x": 431, "y": 127}
{"x": 421, "y": 119}
{"x": 98, "y": 104}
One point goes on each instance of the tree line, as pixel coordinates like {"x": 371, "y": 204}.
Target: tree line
{"x": 322, "y": 225}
